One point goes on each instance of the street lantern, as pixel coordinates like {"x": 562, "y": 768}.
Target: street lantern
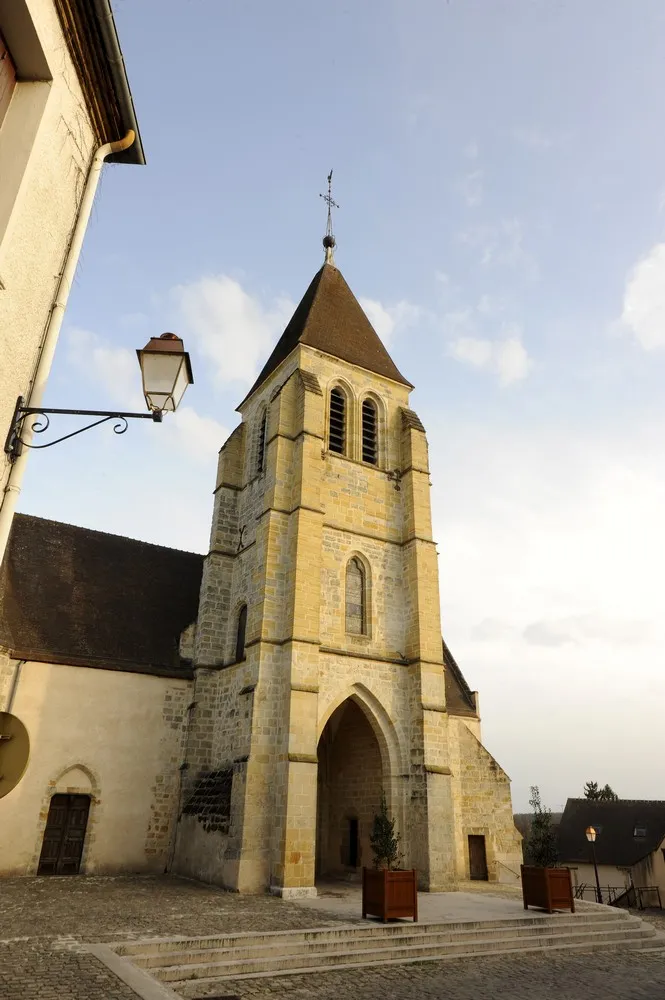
{"x": 166, "y": 372}
{"x": 591, "y": 834}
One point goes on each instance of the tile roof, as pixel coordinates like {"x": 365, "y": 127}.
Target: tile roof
{"x": 459, "y": 696}
{"x": 330, "y": 319}
{"x": 73, "y": 595}
{"x": 616, "y": 843}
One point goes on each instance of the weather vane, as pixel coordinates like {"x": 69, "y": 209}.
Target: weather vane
{"x": 329, "y": 239}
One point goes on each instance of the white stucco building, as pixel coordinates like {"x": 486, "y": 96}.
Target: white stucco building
{"x": 65, "y": 109}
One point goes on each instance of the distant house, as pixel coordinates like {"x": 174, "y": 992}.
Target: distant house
{"x": 630, "y": 842}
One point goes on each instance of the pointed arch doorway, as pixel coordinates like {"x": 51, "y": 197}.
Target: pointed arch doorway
{"x": 350, "y": 779}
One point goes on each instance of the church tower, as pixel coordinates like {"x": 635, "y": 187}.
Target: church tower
{"x": 321, "y": 675}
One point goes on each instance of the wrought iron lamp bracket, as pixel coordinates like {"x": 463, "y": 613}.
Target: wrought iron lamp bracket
{"x": 14, "y": 443}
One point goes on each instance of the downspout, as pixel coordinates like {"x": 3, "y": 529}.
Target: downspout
{"x": 15, "y": 682}
{"x": 13, "y": 486}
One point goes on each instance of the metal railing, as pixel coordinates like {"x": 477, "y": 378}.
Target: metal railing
{"x": 633, "y": 897}
{"x": 512, "y": 872}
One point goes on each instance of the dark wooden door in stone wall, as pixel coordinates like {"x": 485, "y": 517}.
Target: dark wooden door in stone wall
{"x": 477, "y": 859}
{"x": 64, "y": 835}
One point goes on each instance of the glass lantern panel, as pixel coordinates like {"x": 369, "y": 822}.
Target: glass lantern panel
{"x": 181, "y": 383}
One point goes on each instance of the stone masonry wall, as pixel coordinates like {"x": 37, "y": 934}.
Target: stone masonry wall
{"x": 482, "y": 805}
{"x": 289, "y": 530}
{"x": 165, "y": 792}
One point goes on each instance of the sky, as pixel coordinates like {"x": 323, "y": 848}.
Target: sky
{"x": 500, "y": 172}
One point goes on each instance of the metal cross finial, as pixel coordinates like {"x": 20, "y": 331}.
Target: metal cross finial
{"x": 329, "y": 239}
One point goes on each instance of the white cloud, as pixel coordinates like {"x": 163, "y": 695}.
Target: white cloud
{"x": 644, "y": 300}
{"x": 473, "y": 351}
{"x": 511, "y": 360}
{"x": 535, "y": 138}
{"x": 471, "y": 188}
{"x": 390, "y": 320}
{"x": 116, "y": 368}
{"x": 231, "y": 328}
{"x": 552, "y": 545}
{"x": 501, "y": 246}
{"x": 200, "y": 437}
{"x": 587, "y": 628}
{"x": 507, "y": 358}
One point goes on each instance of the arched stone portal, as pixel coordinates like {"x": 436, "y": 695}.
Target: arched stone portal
{"x": 350, "y": 779}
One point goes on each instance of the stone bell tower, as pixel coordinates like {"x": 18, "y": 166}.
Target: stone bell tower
{"x": 321, "y": 675}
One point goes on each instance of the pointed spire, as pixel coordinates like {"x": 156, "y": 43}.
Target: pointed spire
{"x": 330, "y": 319}
{"x": 329, "y": 241}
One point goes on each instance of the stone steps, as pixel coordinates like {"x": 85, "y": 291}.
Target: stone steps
{"x": 355, "y": 931}
{"x": 278, "y": 953}
{"x": 234, "y": 948}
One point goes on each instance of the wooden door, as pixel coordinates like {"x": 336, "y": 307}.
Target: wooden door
{"x": 64, "y": 835}
{"x": 477, "y": 859}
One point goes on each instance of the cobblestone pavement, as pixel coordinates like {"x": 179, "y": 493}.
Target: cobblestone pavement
{"x": 43, "y": 921}
{"x": 618, "y": 976}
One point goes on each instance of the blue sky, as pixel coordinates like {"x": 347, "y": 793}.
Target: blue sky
{"x": 500, "y": 170}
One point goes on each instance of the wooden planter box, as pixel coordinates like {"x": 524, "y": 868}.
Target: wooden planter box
{"x": 548, "y": 888}
{"x": 389, "y": 894}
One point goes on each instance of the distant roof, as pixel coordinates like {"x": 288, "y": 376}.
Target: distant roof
{"x": 459, "y": 696}
{"x": 617, "y": 823}
{"x": 330, "y": 318}
{"x": 77, "y": 596}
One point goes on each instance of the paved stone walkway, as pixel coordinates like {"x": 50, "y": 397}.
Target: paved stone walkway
{"x": 43, "y": 922}
{"x": 621, "y": 976}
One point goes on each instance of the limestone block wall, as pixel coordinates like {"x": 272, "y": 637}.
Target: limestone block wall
{"x": 285, "y": 529}
{"x": 113, "y": 735}
{"x": 386, "y": 597}
{"x": 483, "y": 805}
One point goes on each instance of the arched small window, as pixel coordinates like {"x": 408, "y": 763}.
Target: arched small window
{"x": 337, "y": 422}
{"x": 261, "y": 450}
{"x": 369, "y": 429}
{"x": 240, "y": 634}
{"x": 356, "y": 597}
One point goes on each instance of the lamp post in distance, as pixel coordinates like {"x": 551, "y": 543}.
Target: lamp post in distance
{"x": 591, "y": 834}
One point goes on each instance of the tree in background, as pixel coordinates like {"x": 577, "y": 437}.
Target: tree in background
{"x": 606, "y": 794}
{"x": 541, "y": 849}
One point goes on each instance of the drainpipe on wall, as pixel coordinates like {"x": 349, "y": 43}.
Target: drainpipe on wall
{"x": 14, "y": 688}
{"x": 36, "y": 392}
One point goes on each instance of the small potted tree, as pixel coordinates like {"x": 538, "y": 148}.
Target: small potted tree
{"x": 388, "y": 890}
{"x": 543, "y": 883}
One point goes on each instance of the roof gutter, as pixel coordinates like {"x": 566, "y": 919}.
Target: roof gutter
{"x": 116, "y": 63}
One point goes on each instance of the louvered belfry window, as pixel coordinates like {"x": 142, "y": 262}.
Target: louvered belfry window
{"x": 356, "y": 598}
{"x": 261, "y": 455}
{"x": 337, "y": 422}
{"x": 370, "y": 450}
